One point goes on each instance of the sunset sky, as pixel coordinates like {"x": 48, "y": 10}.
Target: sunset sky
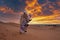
{"x": 48, "y": 11}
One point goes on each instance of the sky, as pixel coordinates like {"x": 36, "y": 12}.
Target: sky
{"x": 10, "y": 9}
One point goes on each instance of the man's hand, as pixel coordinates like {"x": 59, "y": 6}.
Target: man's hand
{"x": 29, "y": 20}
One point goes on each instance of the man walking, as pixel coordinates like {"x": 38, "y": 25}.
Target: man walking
{"x": 24, "y": 20}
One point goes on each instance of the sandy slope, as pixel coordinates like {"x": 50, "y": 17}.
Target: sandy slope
{"x": 11, "y": 32}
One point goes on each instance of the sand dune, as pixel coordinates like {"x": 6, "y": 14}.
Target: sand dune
{"x": 11, "y": 32}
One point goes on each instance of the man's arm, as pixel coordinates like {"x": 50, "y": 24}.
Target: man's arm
{"x": 29, "y": 17}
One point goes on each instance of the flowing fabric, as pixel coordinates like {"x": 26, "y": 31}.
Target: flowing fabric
{"x": 24, "y": 19}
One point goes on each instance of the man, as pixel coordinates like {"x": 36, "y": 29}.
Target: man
{"x": 24, "y": 20}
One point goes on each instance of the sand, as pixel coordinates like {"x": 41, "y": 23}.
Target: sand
{"x": 11, "y": 32}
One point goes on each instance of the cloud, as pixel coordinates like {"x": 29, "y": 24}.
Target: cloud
{"x": 16, "y": 5}
{"x": 9, "y": 9}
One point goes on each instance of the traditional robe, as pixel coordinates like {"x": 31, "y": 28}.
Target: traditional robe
{"x": 24, "y": 19}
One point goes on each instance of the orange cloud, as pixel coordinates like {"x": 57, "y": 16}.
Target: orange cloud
{"x": 33, "y": 7}
{"x": 6, "y": 10}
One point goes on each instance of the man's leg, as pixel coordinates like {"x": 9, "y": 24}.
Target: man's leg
{"x": 22, "y": 29}
{"x": 25, "y": 28}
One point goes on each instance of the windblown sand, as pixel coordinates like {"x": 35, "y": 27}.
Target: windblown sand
{"x": 11, "y": 32}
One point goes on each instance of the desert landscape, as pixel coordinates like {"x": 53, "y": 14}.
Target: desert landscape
{"x": 10, "y": 31}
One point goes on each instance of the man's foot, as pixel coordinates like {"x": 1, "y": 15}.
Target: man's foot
{"x": 25, "y": 31}
{"x": 20, "y": 32}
